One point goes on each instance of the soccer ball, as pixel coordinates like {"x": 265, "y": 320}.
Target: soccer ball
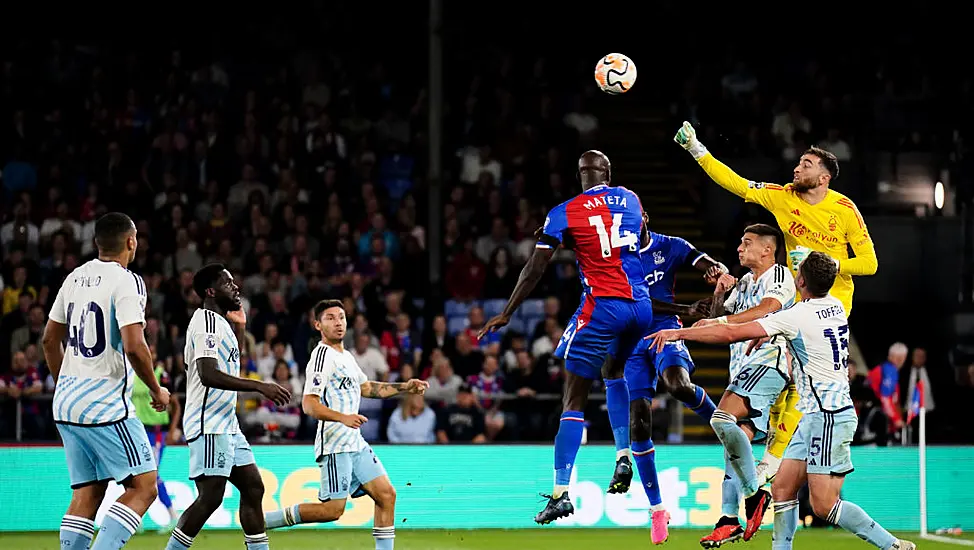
{"x": 615, "y": 74}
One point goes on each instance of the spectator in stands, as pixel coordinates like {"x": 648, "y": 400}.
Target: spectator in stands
{"x": 463, "y": 421}
{"x": 918, "y": 373}
{"x": 466, "y": 359}
{"x": 412, "y": 422}
{"x": 31, "y": 332}
{"x": 444, "y": 383}
{"x": 22, "y": 383}
{"x": 885, "y": 382}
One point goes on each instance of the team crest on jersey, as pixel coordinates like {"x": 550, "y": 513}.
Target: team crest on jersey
{"x": 221, "y": 460}
{"x": 344, "y": 483}
{"x": 146, "y": 454}
{"x": 833, "y": 223}
{"x": 211, "y": 341}
{"x": 658, "y": 257}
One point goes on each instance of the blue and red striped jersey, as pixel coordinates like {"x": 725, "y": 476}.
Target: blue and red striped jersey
{"x": 602, "y": 227}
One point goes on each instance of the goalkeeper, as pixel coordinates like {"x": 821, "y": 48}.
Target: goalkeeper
{"x": 812, "y": 218}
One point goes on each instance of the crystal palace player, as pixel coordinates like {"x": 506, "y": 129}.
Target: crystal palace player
{"x": 812, "y": 217}
{"x": 820, "y": 451}
{"x": 218, "y": 451}
{"x": 661, "y": 256}
{"x": 100, "y": 312}
{"x": 603, "y": 226}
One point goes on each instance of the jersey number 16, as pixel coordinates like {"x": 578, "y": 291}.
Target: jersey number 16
{"x": 76, "y": 332}
{"x": 616, "y": 240}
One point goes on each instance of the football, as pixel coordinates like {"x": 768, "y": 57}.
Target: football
{"x": 615, "y": 74}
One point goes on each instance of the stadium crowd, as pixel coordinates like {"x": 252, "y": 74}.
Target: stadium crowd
{"x": 308, "y": 182}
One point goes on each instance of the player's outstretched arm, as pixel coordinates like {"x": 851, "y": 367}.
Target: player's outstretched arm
{"x": 52, "y": 342}
{"x": 530, "y": 275}
{"x": 212, "y": 377}
{"x": 686, "y": 136}
{"x": 710, "y": 334}
{"x": 384, "y": 390}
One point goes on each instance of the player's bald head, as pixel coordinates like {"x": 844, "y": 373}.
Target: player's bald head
{"x": 594, "y": 169}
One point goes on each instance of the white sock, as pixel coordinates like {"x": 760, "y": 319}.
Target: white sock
{"x": 559, "y": 490}
{"x": 622, "y": 453}
{"x": 773, "y": 463}
{"x": 657, "y": 507}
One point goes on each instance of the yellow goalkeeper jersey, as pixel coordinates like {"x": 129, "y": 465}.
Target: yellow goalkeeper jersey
{"x": 831, "y": 226}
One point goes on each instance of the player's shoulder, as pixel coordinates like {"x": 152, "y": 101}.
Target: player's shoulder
{"x": 778, "y": 274}
{"x": 835, "y": 198}
{"x": 321, "y": 356}
{"x": 206, "y": 320}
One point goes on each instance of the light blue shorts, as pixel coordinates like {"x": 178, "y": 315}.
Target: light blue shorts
{"x": 217, "y": 454}
{"x": 344, "y": 474}
{"x": 99, "y": 453}
{"x": 824, "y": 441}
{"x": 760, "y": 386}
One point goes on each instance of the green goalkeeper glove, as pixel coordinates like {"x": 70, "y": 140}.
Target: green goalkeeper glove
{"x": 686, "y": 136}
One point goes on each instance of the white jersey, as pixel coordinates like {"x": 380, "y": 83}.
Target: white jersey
{"x": 94, "y": 386}
{"x": 337, "y": 379}
{"x": 776, "y": 283}
{"x": 209, "y": 410}
{"x": 818, "y": 336}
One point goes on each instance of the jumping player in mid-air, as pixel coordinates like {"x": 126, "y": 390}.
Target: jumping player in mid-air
{"x": 813, "y": 217}
{"x": 820, "y": 454}
{"x": 602, "y": 225}
{"x": 661, "y": 255}
{"x": 218, "y": 451}
{"x": 100, "y": 312}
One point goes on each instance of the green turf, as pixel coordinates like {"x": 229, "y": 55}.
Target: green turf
{"x": 539, "y": 539}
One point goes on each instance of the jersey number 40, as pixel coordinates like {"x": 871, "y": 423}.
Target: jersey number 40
{"x": 76, "y": 332}
{"x": 616, "y": 240}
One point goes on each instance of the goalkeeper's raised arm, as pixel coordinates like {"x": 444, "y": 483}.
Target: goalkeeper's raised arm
{"x": 810, "y": 214}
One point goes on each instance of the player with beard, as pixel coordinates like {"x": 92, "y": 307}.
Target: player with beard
{"x": 218, "y": 451}
{"x": 812, "y": 217}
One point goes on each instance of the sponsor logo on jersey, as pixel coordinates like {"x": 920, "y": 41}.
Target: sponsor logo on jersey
{"x": 234, "y": 355}
{"x": 345, "y": 384}
{"x": 799, "y": 229}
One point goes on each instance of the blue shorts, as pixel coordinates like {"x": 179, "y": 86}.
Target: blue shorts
{"x": 645, "y": 365}
{"x": 99, "y": 453}
{"x": 217, "y": 454}
{"x": 600, "y": 327}
{"x": 823, "y": 441}
{"x": 344, "y": 474}
{"x": 760, "y": 386}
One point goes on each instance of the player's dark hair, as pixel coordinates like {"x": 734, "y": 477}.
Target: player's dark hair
{"x": 765, "y": 230}
{"x": 819, "y": 272}
{"x": 828, "y": 160}
{"x": 321, "y": 306}
{"x": 111, "y": 231}
{"x": 206, "y": 278}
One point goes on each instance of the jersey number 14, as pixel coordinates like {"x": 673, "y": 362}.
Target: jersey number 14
{"x": 76, "y": 332}
{"x": 616, "y": 240}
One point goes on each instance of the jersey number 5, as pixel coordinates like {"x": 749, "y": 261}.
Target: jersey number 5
{"x": 616, "y": 240}
{"x": 76, "y": 332}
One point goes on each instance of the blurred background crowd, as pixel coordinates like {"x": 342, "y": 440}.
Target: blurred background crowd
{"x": 304, "y": 171}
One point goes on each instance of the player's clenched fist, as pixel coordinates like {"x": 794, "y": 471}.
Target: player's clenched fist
{"x": 416, "y": 385}
{"x": 160, "y": 399}
{"x": 354, "y": 420}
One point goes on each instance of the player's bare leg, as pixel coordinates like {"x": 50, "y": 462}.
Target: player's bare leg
{"x": 693, "y": 397}
{"x": 248, "y": 482}
{"x": 210, "y": 490}
{"x": 824, "y": 491}
{"x": 125, "y": 516}
{"x": 567, "y": 442}
{"x": 78, "y": 523}
{"x": 384, "y": 524}
{"x": 641, "y": 430}
{"x": 321, "y": 512}
{"x": 617, "y": 403}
